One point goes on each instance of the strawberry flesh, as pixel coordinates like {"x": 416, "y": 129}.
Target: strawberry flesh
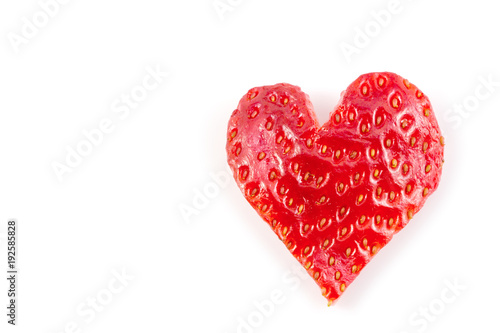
{"x": 336, "y": 194}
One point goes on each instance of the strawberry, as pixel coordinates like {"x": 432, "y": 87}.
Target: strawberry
{"x": 336, "y": 194}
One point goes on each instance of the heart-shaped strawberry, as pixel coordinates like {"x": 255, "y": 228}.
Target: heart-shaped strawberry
{"x": 336, "y": 194}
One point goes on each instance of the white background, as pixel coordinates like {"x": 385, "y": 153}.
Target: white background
{"x": 118, "y": 210}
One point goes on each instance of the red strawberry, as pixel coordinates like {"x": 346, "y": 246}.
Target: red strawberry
{"x": 336, "y": 194}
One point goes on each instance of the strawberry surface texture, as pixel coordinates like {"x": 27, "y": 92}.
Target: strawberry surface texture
{"x": 336, "y": 194}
